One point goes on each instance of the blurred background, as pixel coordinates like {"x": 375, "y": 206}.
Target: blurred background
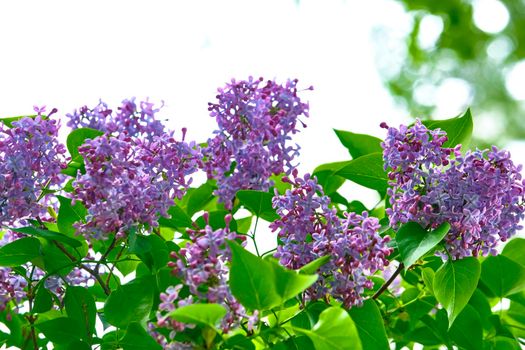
{"x": 369, "y": 61}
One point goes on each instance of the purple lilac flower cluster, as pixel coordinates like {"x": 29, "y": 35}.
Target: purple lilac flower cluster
{"x": 129, "y": 181}
{"x": 255, "y": 120}
{"x": 202, "y": 268}
{"x": 309, "y": 229}
{"x": 481, "y": 194}
{"x": 31, "y": 159}
{"x": 131, "y": 118}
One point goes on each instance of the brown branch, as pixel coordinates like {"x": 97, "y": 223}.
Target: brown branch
{"x": 92, "y": 272}
{"x": 113, "y": 266}
{"x": 389, "y": 282}
{"x": 105, "y": 255}
{"x": 31, "y": 318}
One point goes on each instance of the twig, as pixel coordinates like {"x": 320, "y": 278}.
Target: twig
{"x": 113, "y": 266}
{"x": 389, "y": 282}
{"x": 106, "y": 253}
{"x": 252, "y": 236}
{"x": 31, "y": 318}
{"x": 91, "y": 271}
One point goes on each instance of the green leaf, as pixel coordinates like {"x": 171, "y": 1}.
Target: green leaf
{"x": 314, "y": 265}
{"x": 423, "y": 335}
{"x": 419, "y": 308}
{"x": 239, "y": 342}
{"x": 502, "y": 275}
{"x": 454, "y": 284}
{"x": 458, "y": 129}
{"x": 359, "y": 144}
{"x": 199, "y": 314}
{"x": 49, "y": 235}
{"x": 244, "y": 224}
{"x": 327, "y": 178}
{"x": 17, "y": 325}
{"x": 367, "y": 171}
{"x": 165, "y": 278}
{"x": 514, "y": 250}
{"x": 137, "y": 338}
{"x": 413, "y": 241}
{"x": 9, "y": 121}
{"x": 178, "y": 218}
{"x": 69, "y": 214}
{"x": 77, "y": 138}
{"x": 261, "y": 284}
{"x": 335, "y": 330}
{"x": 370, "y": 326}
{"x": 76, "y": 345}
{"x": 127, "y": 266}
{"x": 131, "y": 302}
{"x": 152, "y": 250}
{"x": 19, "y": 252}
{"x": 111, "y": 340}
{"x": 467, "y": 331}
{"x": 259, "y": 203}
{"x": 43, "y": 300}
{"x": 80, "y": 305}
{"x": 428, "y": 278}
{"x": 62, "y": 330}
{"x": 73, "y": 167}
{"x": 54, "y": 260}
{"x": 279, "y": 184}
{"x": 481, "y": 304}
{"x": 502, "y": 343}
{"x": 199, "y": 197}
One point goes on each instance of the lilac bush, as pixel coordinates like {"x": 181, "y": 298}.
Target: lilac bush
{"x": 117, "y": 234}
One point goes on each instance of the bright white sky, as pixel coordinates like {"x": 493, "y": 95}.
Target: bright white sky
{"x": 65, "y": 54}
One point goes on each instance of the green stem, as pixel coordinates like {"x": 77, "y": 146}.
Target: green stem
{"x": 253, "y": 236}
{"x": 43, "y": 193}
{"x": 31, "y": 318}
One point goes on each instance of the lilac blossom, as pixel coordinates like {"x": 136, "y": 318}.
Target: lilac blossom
{"x": 202, "y": 268}
{"x": 481, "y": 194}
{"x": 256, "y": 120}
{"x": 130, "y": 182}
{"x": 309, "y": 228}
{"x": 130, "y": 118}
{"x": 31, "y": 159}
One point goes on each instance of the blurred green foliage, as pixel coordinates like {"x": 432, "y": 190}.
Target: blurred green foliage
{"x": 462, "y": 51}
